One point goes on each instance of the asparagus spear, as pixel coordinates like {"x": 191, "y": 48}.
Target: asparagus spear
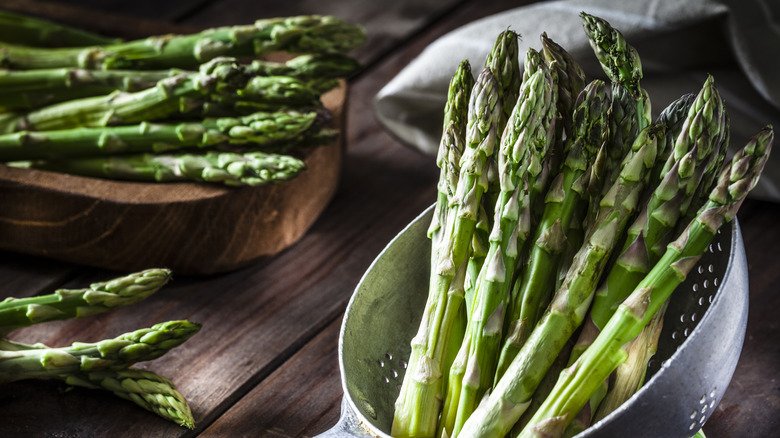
{"x": 571, "y": 81}
{"x": 261, "y": 128}
{"x": 512, "y": 393}
{"x": 27, "y": 89}
{"x": 577, "y": 383}
{"x": 229, "y": 168}
{"x": 418, "y": 405}
{"x": 672, "y": 117}
{"x": 450, "y": 149}
{"x": 117, "y": 353}
{"x": 36, "y": 32}
{"x": 619, "y": 60}
{"x": 566, "y": 198}
{"x": 152, "y": 392}
{"x": 178, "y": 94}
{"x": 301, "y": 34}
{"x": 145, "y": 388}
{"x": 503, "y": 61}
{"x": 77, "y": 303}
{"x": 524, "y": 146}
{"x": 448, "y": 160}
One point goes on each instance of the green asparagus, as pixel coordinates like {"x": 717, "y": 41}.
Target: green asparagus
{"x": 117, "y": 353}
{"x": 179, "y": 94}
{"x": 418, "y": 405}
{"x": 144, "y": 388}
{"x": 78, "y": 303}
{"x": 512, "y": 393}
{"x": 301, "y": 34}
{"x": 576, "y": 384}
{"x": 259, "y": 129}
{"x": 524, "y": 146}
{"x": 229, "y": 168}
{"x": 566, "y": 198}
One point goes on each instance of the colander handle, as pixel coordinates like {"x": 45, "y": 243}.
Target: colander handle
{"x": 348, "y": 425}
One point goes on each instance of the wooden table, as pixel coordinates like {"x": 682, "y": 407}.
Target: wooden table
{"x": 265, "y": 363}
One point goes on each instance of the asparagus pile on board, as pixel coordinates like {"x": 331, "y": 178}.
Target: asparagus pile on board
{"x": 565, "y": 215}
{"x": 199, "y": 107}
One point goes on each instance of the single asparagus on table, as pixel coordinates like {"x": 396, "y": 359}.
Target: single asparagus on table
{"x": 260, "y": 128}
{"x": 418, "y": 404}
{"x": 300, "y": 34}
{"x": 523, "y": 148}
{"x": 151, "y": 391}
{"x": 229, "y": 168}
{"x": 576, "y": 384}
{"x": 512, "y": 393}
{"x": 18, "y": 362}
{"x": 565, "y": 201}
{"x": 77, "y": 303}
{"x": 145, "y": 388}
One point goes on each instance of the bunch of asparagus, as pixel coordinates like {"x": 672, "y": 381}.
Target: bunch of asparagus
{"x": 562, "y": 208}
{"x": 198, "y": 107}
{"x": 107, "y": 364}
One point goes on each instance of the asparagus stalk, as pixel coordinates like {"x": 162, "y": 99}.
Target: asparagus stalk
{"x": 30, "y": 31}
{"x": 28, "y": 89}
{"x": 512, "y": 393}
{"x": 301, "y": 34}
{"x": 261, "y": 128}
{"x": 418, "y": 405}
{"x": 619, "y": 60}
{"x": 504, "y": 62}
{"x": 672, "y": 117}
{"x": 565, "y": 200}
{"x": 152, "y": 392}
{"x": 629, "y": 376}
{"x": 145, "y": 388}
{"x": 117, "y": 353}
{"x": 450, "y": 150}
{"x": 571, "y": 81}
{"x": 229, "y": 168}
{"x": 179, "y": 94}
{"x": 576, "y": 384}
{"x": 524, "y": 146}
{"x": 77, "y": 303}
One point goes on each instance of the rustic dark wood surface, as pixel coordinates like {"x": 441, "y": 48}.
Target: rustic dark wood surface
{"x": 265, "y": 363}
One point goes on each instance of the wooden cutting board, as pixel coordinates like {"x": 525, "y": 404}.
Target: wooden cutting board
{"x": 187, "y": 227}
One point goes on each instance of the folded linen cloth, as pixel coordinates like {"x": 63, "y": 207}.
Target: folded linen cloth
{"x": 679, "y": 43}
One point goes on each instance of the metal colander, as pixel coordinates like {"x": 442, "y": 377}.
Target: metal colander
{"x": 704, "y": 327}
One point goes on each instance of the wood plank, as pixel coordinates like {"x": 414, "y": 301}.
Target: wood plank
{"x": 301, "y": 399}
{"x": 102, "y": 22}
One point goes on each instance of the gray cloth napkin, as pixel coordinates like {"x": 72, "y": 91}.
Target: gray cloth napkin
{"x": 679, "y": 42}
